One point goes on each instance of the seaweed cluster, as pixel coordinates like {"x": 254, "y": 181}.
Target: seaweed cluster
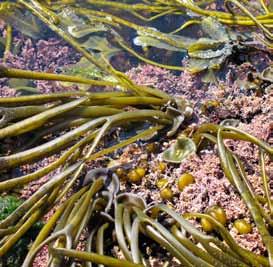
{"x": 104, "y": 28}
{"x": 74, "y": 126}
{"x": 98, "y": 206}
{"x": 15, "y": 257}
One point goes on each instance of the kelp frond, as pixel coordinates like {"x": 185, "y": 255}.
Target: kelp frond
{"x": 73, "y": 21}
{"x": 73, "y": 126}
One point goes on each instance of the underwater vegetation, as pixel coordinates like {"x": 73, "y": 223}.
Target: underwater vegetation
{"x": 17, "y": 254}
{"x": 76, "y": 126}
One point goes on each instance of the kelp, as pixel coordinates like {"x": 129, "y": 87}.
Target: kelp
{"x": 105, "y": 33}
{"x": 15, "y": 16}
{"x": 74, "y": 126}
{"x": 129, "y": 217}
{"x": 99, "y": 205}
{"x": 93, "y": 116}
{"x": 234, "y": 171}
{"x": 87, "y": 70}
{"x": 180, "y": 150}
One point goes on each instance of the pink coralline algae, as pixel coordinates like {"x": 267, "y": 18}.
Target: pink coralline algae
{"x": 252, "y": 109}
{"x": 185, "y": 84}
{"x": 33, "y": 186}
{"x": 6, "y": 91}
{"x": 42, "y": 258}
{"x": 44, "y": 55}
{"x": 255, "y": 111}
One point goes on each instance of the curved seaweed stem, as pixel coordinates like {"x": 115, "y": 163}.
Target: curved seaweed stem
{"x": 13, "y": 114}
{"x": 230, "y": 170}
{"x": 185, "y": 25}
{"x": 267, "y": 33}
{"x": 195, "y": 249}
{"x": 84, "y": 118}
{"x": 265, "y": 181}
{"x": 35, "y": 75}
{"x": 232, "y": 133}
{"x": 159, "y": 15}
{"x": 184, "y": 255}
{"x": 258, "y": 199}
{"x": 37, "y": 8}
{"x": 146, "y": 60}
{"x": 94, "y": 257}
{"x": 8, "y": 42}
{"x": 38, "y": 120}
{"x": 69, "y": 230}
{"x": 52, "y": 220}
{"x": 99, "y": 240}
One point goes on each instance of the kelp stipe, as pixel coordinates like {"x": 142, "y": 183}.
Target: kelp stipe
{"x": 82, "y": 119}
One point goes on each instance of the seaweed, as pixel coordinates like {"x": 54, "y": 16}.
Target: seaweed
{"x": 73, "y": 126}
{"x": 179, "y": 151}
{"x": 105, "y": 33}
{"x": 15, "y": 257}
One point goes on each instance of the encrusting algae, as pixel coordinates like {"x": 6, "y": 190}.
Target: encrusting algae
{"x": 92, "y": 110}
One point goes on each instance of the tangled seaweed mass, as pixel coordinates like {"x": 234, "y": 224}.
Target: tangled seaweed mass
{"x": 80, "y": 136}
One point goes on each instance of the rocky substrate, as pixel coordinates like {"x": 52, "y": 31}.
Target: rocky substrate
{"x": 211, "y": 103}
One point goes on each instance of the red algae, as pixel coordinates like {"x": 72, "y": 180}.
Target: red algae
{"x": 42, "y": 258}
{"x": 253, "y": 110}
{"x": 44, "y": 55}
